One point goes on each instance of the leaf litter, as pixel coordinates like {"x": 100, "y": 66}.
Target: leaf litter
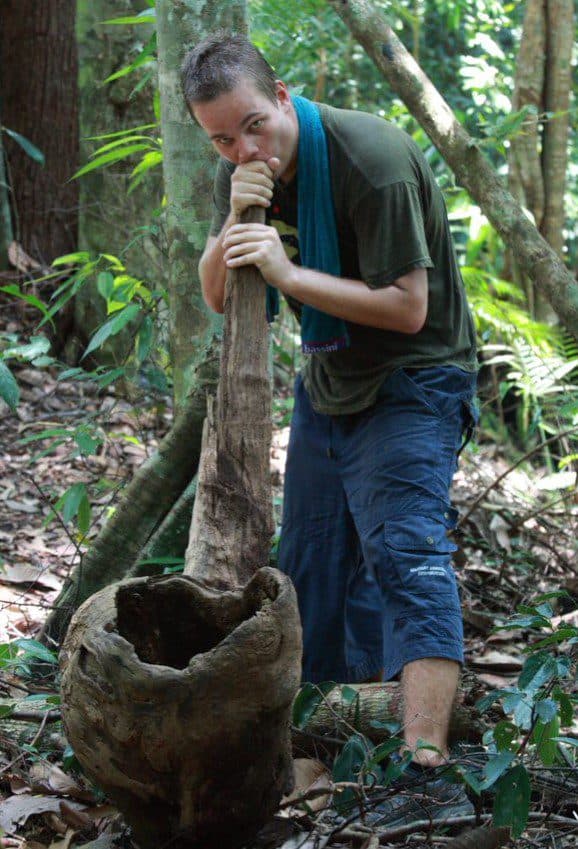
{"x": 514, "y": 542}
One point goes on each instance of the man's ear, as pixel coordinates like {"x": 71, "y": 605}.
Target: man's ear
{"x": 283, "y": 95}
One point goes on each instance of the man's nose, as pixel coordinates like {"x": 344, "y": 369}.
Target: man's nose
{"x": 247, "y": 150}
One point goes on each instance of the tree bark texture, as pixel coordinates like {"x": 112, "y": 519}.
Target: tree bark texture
{"x": 176, "y": 700}
{"x": 39, "y": 69}
{"x": 232, "y": 521}
{"x": 536, "y": 258}
{"x": 188, "y": 167}
{"x": 558, "y": 81}
{"x": 145, "y": 502}
{"x": 177, "y": 692}
{"x": 6, "y": 233}
{"x": 375, "y": 705}
{"x": 525, "y": 177}
{"x": 111, "y": 220}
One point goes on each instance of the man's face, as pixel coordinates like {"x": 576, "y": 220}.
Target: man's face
{"x": 244, "y": 126}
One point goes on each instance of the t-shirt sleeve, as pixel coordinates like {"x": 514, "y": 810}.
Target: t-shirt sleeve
{"x": 389, "y": 228}
{"x": 221, "y": 197}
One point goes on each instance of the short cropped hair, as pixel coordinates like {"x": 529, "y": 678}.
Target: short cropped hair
{"x": 218, "y": 63}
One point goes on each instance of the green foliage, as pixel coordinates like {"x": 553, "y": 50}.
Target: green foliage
{"x": 536, "y": 709}
{"x": 26, "y": 145}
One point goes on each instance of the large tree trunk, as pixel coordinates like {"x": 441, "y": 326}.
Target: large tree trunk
{"x": 536, "y": 258}
{"x": 39, "y": 68}
{"x": 188, "y": 167}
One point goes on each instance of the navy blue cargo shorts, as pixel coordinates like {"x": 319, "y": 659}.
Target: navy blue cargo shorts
{"x": 365, "y": 519}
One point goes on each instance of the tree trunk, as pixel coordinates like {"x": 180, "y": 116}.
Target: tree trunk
{"x": 111, "y": 220}
{"x": 39, "y": 70}
{"x": 147, "y": 499}
{"x": 536, "y": 258}
{"x": 525, "y": 178}
{"x": 188, "y": 167}
{"x": 558, "y": 73}
{"x": 6, "y": 234}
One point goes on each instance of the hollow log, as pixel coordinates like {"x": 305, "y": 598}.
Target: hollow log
{"x": 177, "y": 691}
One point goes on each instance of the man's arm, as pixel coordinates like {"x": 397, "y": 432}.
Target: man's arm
{"x": 251, "y": 185}
{"x": 401, "y": 307}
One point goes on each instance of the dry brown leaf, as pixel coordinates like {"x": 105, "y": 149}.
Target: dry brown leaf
{"x": 20, "y": 259}
{"x": 40, "y": 578}
{"x": 49, "y": 778}
{"x": 498, "y": 661}
{"x": 16, "y": 810}
{"x": 501, "y": 531}
{"x": 65, "y": 842}
{"x": 78, "y": 820}
{"x": 310, "y": 775}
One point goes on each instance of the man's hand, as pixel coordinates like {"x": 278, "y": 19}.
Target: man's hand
{"x": 252, "y": 184}
{"x": 257, "y": 244}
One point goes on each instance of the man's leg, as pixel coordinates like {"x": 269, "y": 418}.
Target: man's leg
{"x": 429, "y": 688}
{"x": 400, "y": 461}
{"x": 319, "y": 550}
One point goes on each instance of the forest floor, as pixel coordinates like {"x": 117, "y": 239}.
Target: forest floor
{"x": 516, "y": 540}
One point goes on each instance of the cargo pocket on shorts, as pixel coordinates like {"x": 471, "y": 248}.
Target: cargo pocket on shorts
{"x": 420, "y": 550}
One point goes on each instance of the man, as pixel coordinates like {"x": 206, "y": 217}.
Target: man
{"x": 357, "y": 240}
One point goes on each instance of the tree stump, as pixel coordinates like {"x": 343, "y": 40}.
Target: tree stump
{"x": 177, "y": 691}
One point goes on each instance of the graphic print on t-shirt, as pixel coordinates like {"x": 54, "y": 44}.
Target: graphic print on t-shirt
{"x": 289, "y": 237}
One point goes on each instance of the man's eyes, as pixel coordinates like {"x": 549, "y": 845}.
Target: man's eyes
{"x": 256, "y": 125}
{"x": 224, "y": 140}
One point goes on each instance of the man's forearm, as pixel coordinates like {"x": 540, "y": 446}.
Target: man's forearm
{"x": 402, "y": 306}
{"x": 213, "y": 271}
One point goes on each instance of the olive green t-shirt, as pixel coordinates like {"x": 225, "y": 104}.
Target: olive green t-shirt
{"x": 391, "y": 219}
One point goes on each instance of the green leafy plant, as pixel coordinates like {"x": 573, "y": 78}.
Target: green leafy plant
{"x": 535, "y": 710}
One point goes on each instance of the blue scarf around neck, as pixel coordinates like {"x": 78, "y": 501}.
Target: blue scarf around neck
{"x": 316, "y": 228}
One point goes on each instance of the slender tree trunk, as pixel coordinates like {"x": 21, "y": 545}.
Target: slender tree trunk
{"x": 560, "y": 40}
{"x": 525, "y": 178}
{"x": 39, "y": 71}
{"x": 188, "y": 170}
{"x": 536, "y": 258}
{"x": 6, "y": 234}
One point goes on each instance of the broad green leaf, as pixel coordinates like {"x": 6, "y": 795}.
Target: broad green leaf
{"x": 537, "y": 671}
{"x": 351, "y": 758}
{"x": 544, "y": 737}
{"x": 34, "y": 649}
{"x": 143, "y": 58}
{"x": 87, "y": 441}
{"x": 26, "y": 145}
{"x": 566, "y": 707}
{"x": 6, "y": 710}
{"x": 309, "y": 697}
{"x": 113, "y": 326}
{"x": 512, "y": 801}
{"x": 9, "y": 391}
{"x": 546, "y": 709}
{"x": 487, "y": 701}
{"x": 144, "y": 340}
{"x": 384, "y": 750}
{"x": 105, "y": 284}
{"x": 505, "y": 733}
{"x": 348, "y": 695}
{"x": 69, "y": 502}
{"x": 84, "y": 515}
{"x": 495, "y": 767}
